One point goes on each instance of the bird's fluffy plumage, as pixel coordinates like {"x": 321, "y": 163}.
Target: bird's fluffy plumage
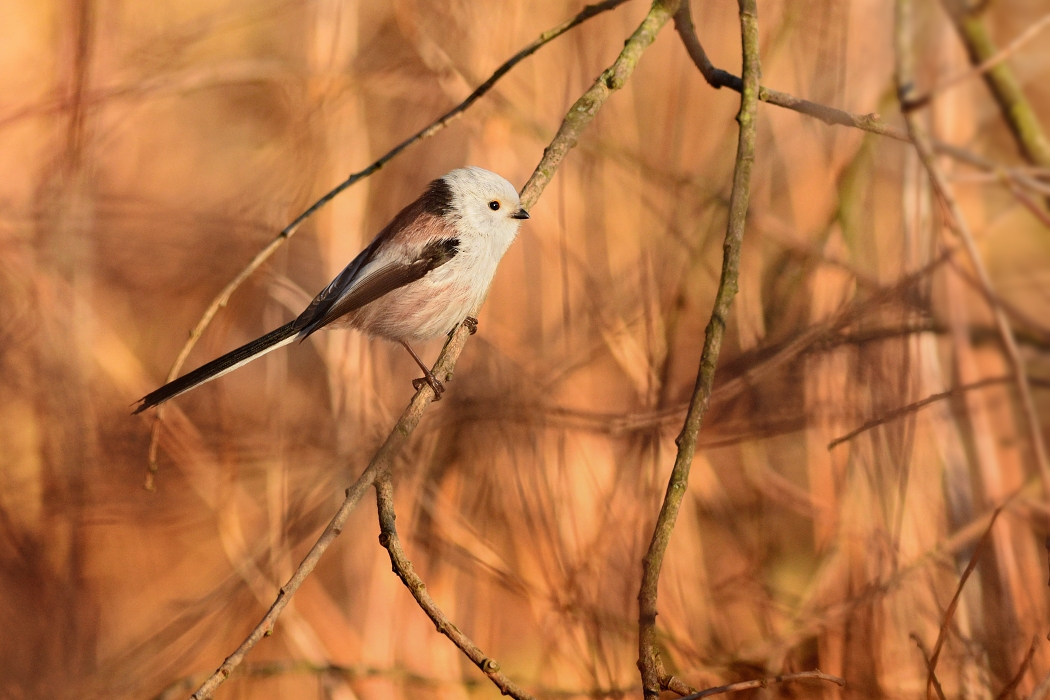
{"x": 425, "y": 272}
{"x": 436, "y": 303}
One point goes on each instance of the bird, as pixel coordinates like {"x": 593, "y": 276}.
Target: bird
{"x": 421, "y": 276}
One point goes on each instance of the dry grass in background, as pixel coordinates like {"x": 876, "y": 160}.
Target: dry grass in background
{"x": 147, "y": 151}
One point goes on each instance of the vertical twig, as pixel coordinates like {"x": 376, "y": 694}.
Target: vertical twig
{"x": 649, "y": 662}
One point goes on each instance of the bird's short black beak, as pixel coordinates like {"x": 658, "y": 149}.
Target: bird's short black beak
{"x": 520, "y": 214}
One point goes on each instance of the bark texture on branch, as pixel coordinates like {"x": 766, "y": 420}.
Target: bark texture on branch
{"x": 649, "y": 662}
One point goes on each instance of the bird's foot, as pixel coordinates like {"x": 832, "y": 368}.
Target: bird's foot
{"x": 471, "y": 323}
{"x": 432, "y": 381}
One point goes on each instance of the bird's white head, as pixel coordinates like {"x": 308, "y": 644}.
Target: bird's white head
{"x": 486, "y": 203}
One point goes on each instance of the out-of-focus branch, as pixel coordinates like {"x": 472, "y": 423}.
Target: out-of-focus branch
{"x": 579, "y": 116}
{"x": 1042, "y": 690}
{"x": 1001, "y": 80}
{"x": 915, "y": 406}
{"x": 1011, "y": 686}
{"x": 931, "y": 672}
{"x": 957, "y": 222}
{"x": 673, "y": 684}
{"x": 1027, "y": 202}
{"x": 984, "y": 65}
{"x": 992, "y": 299}
{"x": 949, "y": 612}
{"x": 649, "y": 662}
{"x": 403, "y": 568}
{"x": 1011, "y": 175}
{"x": 262, "y": 256}
{"x": 718, "y": 78}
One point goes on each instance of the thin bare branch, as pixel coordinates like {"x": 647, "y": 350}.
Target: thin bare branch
{"x": 403, "y": 568}
{"x": 996, "y": 300}
{"x": 586, "y": 107}
{"x": 1021, "y": 176}
{"x": 718, "y": 78}
{"x": 220, "y": 301}
{"x": 765, "y": 683}
{"x": 1010, "y": 687}
{"x": 915, "y": 406}
{"x": 1003, "y": 83}
{"x": 649, "y": 662}
{"x": 985, "y": 65}
{"x": 1027, "y": 202}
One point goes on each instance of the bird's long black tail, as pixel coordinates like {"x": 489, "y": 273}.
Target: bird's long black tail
{"x": 220, "y": 366}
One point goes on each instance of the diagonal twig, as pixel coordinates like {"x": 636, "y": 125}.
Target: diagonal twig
{"x": 1020, "y": 176}
{"x": 915, "y": 406}
{"x": 1010, "y": 687}
{"x": 288, "y": 231}
{"x": 649, "y": 662}
{"x": 718, "y": 78}
{"x": 1017, "y": 111}
{"x": 405, "y": 571}
{"x": 930, "y": 670}
{"x": 1026, "y": 201}
{"x": 765, "y": 683}
{"x": 949, "y": 612}
{"x": 985, "y": 65}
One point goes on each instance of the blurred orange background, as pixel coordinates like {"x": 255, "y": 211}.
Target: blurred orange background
{"x": 149, "y": 150}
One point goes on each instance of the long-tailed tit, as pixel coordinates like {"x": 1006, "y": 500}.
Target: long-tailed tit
{"x": 419, "y": 278}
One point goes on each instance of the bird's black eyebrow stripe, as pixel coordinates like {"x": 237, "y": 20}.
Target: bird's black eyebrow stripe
{"x": 438, "y": 198}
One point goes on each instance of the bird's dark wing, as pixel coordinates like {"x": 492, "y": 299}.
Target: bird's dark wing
{"x": 330, "y": 294}
{"x": 360, "y": 290}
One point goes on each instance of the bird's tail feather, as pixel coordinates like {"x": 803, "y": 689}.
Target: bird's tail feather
{"x": 220, "y": 366}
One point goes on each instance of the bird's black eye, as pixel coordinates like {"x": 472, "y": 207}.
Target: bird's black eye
{"x": 494, "y": 205}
